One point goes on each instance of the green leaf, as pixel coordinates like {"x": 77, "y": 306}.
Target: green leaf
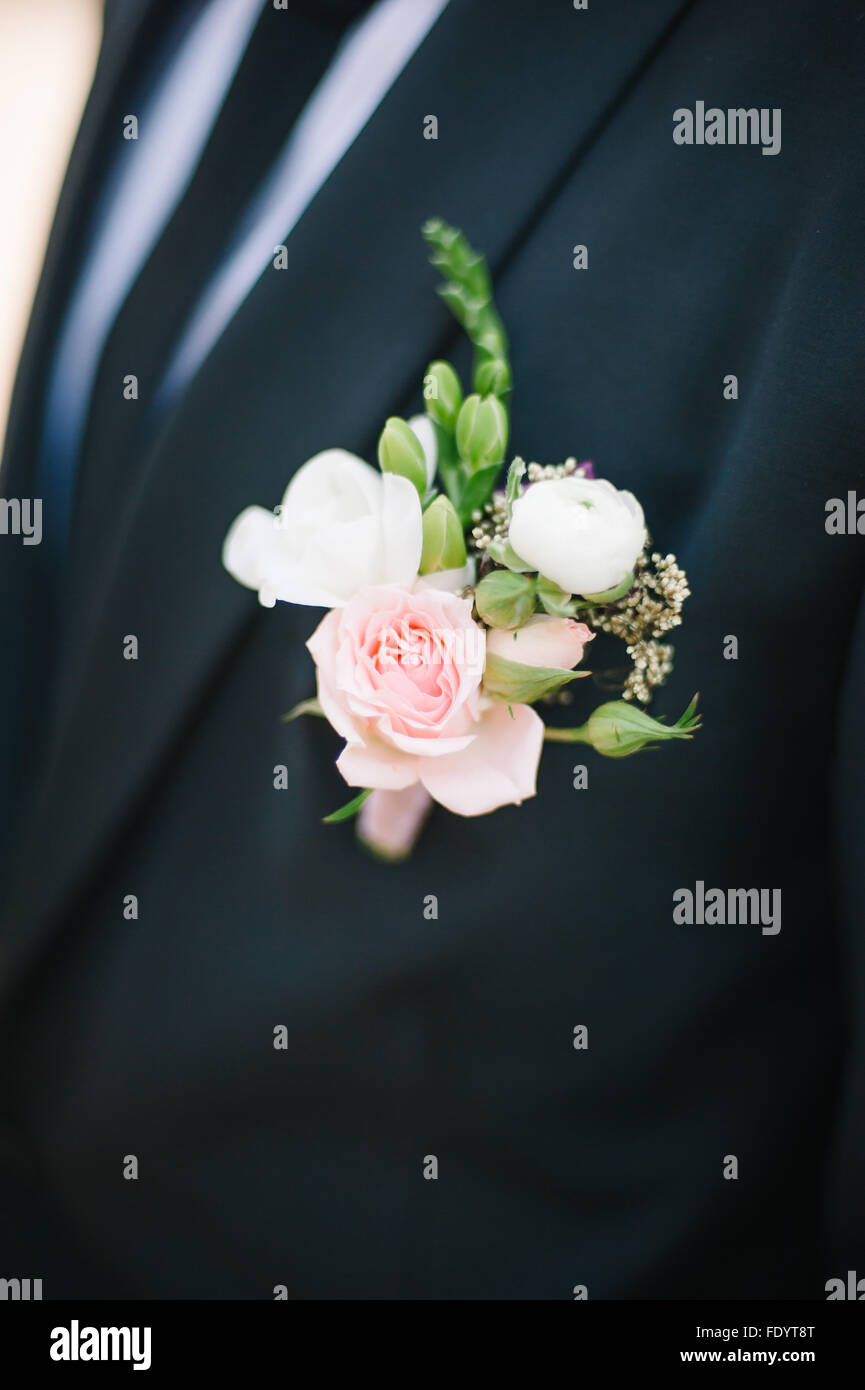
{"x": 610, "y": 595}
{"x": 350, "y": 809}
{"x": 304, "y": 707}
{"x": 554, "y": 600}
{"x": 477, "y": 488}
{"x": 689, "y": 719}
{"x": 504, "y": 599}
{"x": 513, "y": 680}
{"x": 516, "y": 473}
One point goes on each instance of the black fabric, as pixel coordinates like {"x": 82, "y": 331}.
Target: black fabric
{"x": 286, "y": 55}
{"x": 409, "y": 1037}
{"x": 136, "y": 32}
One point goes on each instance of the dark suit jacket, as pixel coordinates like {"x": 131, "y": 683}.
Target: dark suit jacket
{"x": 453, "y": 1037}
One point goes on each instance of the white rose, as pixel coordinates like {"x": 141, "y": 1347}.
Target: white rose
{"x": 581, "y": 533}
{"x": 342, "y": 526}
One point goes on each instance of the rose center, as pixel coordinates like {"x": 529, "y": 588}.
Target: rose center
{"x": 407, "y": 647}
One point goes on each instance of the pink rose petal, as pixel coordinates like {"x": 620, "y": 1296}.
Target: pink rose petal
{"x": 543, "y": 641}
{"x": 499, "y": 768}
{"x": 374, "y": 764}
{"x": 389, "y": 822}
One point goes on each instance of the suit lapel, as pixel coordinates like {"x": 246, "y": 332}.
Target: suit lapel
{"x": 318, "y": 355}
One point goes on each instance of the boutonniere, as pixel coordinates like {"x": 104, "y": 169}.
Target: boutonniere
{"x": 459, "y": 597}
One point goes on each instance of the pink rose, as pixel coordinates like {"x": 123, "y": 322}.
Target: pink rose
{"x": 399, "y": 677}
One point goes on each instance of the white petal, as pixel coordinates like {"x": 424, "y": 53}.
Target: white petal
{"x": 260, "y": 554}
{"x": 341, "y": 527}
{"x": 330, "y": 474}
{"x": 345, "y": 557}
{"x": 453, "y": 581}
{"x": 425, "y": 431}
{"x": 401, "y": 532}
{"x": 250, "y": 547}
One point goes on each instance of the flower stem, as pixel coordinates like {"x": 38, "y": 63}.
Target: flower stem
{"x": 579, "y": 735}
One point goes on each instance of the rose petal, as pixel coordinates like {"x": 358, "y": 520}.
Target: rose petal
{"x": 543, "y": 641}
{"x": 373, "y": 764}
{"x": 322, "y": 645}
{"x": 390, "y": 821}
{"x": 435, "y": 745}
{"x": 498, "y": 769}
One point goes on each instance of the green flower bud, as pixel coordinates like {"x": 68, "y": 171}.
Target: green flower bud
{"x": 442, "y": 393}
{"x": 618, "y": 729}
{"x": 493, "y": 377}
{"x": 482, "y": 430}
{"x": 444, "y": 546}
{"x": 400, "y": 451}
{"x": 504, "y": 599}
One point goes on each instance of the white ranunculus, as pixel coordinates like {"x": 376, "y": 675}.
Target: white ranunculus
{"x": 581, "y": 533}
{"x": 342, "y": 526}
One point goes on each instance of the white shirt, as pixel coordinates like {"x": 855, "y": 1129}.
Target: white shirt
{"x": 174, "y": 127}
